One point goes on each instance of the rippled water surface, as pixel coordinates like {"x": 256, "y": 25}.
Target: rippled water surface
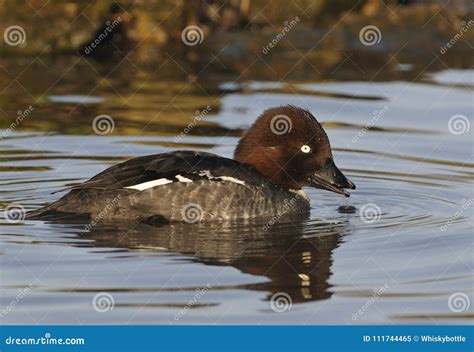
{"x": 399, "y": 250}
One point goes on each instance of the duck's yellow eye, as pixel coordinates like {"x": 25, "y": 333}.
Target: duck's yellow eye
{"x": 306, "y": 148}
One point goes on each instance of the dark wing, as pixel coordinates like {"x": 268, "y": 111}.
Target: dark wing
{"x": 187, "y": 164}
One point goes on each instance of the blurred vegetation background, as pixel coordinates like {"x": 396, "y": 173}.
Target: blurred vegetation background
{"x": 144, "y": 66}
{"x": 64, "y": 26}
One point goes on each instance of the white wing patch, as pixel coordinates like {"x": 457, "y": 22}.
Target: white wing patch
{"x": 231, "y": 179}
{"x": 183, "y": 179}
{"x": 207, "y": 173}
{"x": 150, "y": 184}
{"x": 164, "y": 181}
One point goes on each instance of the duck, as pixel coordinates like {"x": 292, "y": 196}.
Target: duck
{"x": 285, "y": 150}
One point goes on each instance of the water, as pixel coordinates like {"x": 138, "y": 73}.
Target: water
{"x": 399, "y": 250}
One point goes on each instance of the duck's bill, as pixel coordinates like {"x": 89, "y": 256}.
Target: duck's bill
{"x": 331, "y": 179}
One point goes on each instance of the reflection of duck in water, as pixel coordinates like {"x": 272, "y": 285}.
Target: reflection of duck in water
{"x": 285, "y": 150}
{"x": 294, "y": 256}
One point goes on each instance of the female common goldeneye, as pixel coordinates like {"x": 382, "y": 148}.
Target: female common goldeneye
{"x": 284, "y": 150}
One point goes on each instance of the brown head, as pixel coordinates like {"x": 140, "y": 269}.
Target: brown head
{"x": 288, "y": 146}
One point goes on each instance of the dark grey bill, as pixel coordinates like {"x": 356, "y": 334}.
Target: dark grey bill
{"x": 331, "y": 179}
